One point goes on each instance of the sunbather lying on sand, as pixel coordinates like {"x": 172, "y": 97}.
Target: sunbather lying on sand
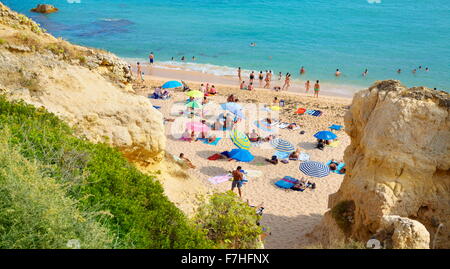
{"x": 254, "y": 136}
{"x": 186, "y": 161}
{"x": 294, "y": 155}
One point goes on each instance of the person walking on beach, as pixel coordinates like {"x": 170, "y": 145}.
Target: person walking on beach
{"x": 287, "y": 82}
{"x": 261, "y": 78}
{"x": 151, "y": 58}
{"x": 307, "y": 85}
{"x": 316, "y": 89}
{"x": 280, "y": 76}
{"x": 239, "y": 74}
{"x": 238, "y": 178}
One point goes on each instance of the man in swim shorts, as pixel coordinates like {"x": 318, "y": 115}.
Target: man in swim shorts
{"x": 151, "y": 57}
{"x": 316, "y": 89}
{"x": 238, "y": 176}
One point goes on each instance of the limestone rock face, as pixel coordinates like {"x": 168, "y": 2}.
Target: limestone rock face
{"x": 403, "y": 233}
{"x": 398, "y": 163}
{"x": 44, "y": 8}
{"x": 87, "y": 88}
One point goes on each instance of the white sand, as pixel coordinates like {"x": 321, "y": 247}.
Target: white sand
{"x": 288, "y": 214}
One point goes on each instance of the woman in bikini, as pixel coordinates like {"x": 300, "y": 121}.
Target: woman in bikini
{"x": 316, "y": 89}
{"x": 261, "y": 77}
{"x": 307, "y": 86}
{"x": 287, "y": 82}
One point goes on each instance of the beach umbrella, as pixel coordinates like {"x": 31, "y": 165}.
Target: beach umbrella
{"x": 193, "y": 104}
{"x": 241, "y": 155}
{"x": 197, "y": 127}
{"x": 171, "y": 84}
{"x": 282, "y": 145}
{"x": 325, "y": 135}
{"x": 314, "y": 169}
{"x": 240, "y": 139}
{"x": 231, "y": 106}
{"x": 195, "y": 94}
{"x": 275, "y": 108}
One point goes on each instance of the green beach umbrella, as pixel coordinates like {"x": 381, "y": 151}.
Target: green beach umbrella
{"x": 240, "y": 139}
{"x": 195, "y": 94}
{"x": 193, "y": 104}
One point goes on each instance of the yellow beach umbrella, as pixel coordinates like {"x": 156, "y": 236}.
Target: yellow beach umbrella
{"x": 195, "y": 94}
{"x": 240, "y": 139}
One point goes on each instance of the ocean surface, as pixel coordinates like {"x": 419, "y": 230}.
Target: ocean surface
{"x": 321, "y": 35}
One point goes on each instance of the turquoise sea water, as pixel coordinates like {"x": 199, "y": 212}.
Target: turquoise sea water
{"x": 321, "y": 35}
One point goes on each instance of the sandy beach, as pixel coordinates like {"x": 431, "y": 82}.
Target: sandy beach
{"x": 288, "y": 214}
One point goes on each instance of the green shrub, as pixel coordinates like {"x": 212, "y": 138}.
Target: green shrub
{"x": 343, "y": 213}
{"x": 229, "y": 222}
{"x": 2, "y": 41}
{"x": 101, "y": 180}
{"x": 34, "y": 210}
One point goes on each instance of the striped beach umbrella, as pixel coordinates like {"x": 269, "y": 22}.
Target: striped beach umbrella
{"x": 282, "y": 145}
{"x": 195, "y": 94}
{"x": 240, "y": 139}
{"x": 314, "y": 169}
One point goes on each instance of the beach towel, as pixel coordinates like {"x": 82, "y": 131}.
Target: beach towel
{"x": 283, "y": 125}
{"x": 303, "y": 156}
{"x": 300, "y": 111}
{"x": 157, "y": 107}
{"x": 338, "y": 167}
{"x": 334, "y": 144}
{"x": 214, "y": 143}
{"x": 219, "y": 179}
{"x": 287, "y": 182}
{"x": 316, "y": 113}
{"x": 309, "y": 111}
{"x": 214, "y": 157}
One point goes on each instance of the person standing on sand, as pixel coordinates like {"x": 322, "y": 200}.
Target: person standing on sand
{"x": 238, "y": 178}
{"x": 239, "y": 74}
{"x": 252, "y": 76}
{"x": 280, "y": 76}
{"x": 151, "y": 58}
{"x": 139, "y": 72}
{"x": 316, "y": 89}
{"x": 261, "y": 77}
{"x": 267, "y": 80}
{"x": 307, "y": 85}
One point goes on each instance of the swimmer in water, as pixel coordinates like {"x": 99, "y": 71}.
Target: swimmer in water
{"x": 365, "y": 73}
{"x": 399, "y": 71}
{"x": 338, "y": 73}
{"x": 302, "y": 70}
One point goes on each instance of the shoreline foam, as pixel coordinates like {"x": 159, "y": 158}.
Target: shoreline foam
{"x": 187, "y": 73}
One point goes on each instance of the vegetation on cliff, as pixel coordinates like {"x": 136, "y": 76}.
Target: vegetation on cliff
{"x": 56, "y": 187}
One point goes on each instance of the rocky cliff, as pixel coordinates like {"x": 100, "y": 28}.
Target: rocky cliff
{"x": 88, "y": 88}
{"x": 397, "y": 186}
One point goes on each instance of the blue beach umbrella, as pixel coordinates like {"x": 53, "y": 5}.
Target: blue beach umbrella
{"x": 241, "y": 155}
{"x": 325, "y": 135}
{"x": 314, "y": 169}
{"x": 171, "y": 84}
{"x": 240, "y": 139}
{"x": 234, "y": 108}
{"x": 282, "y": 145}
